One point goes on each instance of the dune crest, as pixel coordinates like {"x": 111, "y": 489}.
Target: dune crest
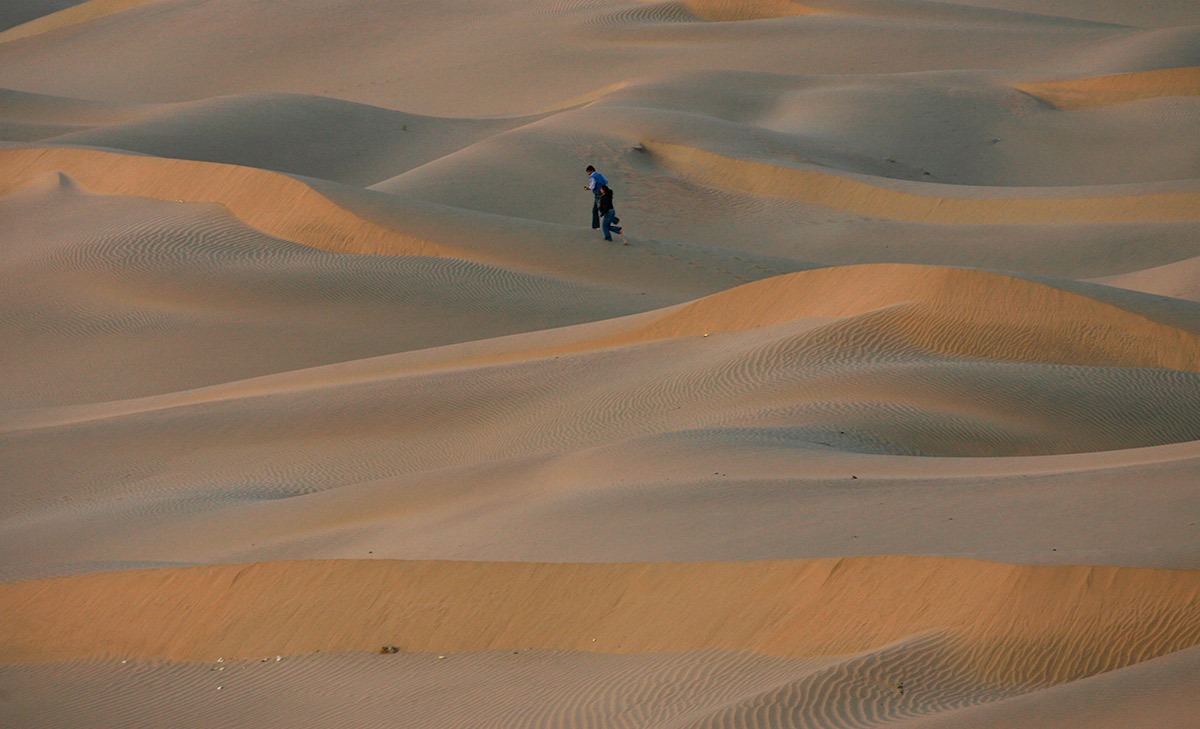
{"x": 961, "y": 313}
{"x": 856, "y": 196}
{"x": 82, "y": 13}
{"x": 951, "y": 311}
{"x": 276, "y": 204}
{"x": 1089, "y": 93}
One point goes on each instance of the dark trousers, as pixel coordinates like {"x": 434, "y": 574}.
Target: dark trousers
{"x": 610, "y": 224}
{"x": 596, "y": 211}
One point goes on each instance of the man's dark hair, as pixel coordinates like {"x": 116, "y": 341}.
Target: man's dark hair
{"x": 591, "y": 169}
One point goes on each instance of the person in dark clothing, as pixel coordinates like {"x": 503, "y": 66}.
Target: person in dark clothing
{"x": 595, "y": 182}
{"x": 609, "y": 214}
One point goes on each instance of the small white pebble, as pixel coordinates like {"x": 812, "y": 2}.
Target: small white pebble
{"x": 220, "y": 687}
{"x": 278, "y": 659}
{"x": 441, "y": 656}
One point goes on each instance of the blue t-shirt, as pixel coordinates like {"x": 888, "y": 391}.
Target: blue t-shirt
{"x": 599, "y": 181}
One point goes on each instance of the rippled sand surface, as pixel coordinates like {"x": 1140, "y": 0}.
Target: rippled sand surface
{"x": 322, "y": 405}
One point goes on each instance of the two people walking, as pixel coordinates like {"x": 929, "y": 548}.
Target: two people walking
{"x": 604, "y": 215}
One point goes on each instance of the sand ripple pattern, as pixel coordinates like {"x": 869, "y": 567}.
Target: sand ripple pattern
{"x": 939, "y": 363}
{"x": 542, "y": 690}
{"x": 159, "y": 280}
{"x": 645, "y": 14}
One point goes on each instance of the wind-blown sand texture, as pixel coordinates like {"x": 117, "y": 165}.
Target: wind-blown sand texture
{"x": 888, "y": 414}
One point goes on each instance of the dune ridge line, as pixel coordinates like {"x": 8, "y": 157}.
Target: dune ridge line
{"x": 1012, "y": 623}
{"x": 276, "y": 204}
{"x": 82, "y": 13}
{"x": 845, "y": 193}
{"x": 950, "y": 311}
{"x": 1088, "y": 93}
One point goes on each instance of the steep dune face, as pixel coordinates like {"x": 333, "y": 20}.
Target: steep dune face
{"x": 970, "y": 634}
{"x": 1009, "y": 632}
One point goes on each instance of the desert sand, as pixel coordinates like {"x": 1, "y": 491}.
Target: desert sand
{"x": 322, "y": 404}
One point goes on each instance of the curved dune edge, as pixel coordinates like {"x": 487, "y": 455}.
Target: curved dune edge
{"x": 276, "y": 204}
{"x": 1086, "y": 93}
{"x": 1013, "y": 623}
{"x": 73, "y": 15}
{"x": 844, "y": 193}
{"x": 581, "y": 100}
{"x": 1178, "y": 280}
{"x": 951, "y": 311}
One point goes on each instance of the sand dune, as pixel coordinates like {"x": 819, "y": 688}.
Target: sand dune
{"x": 1178, "y": 280}
{"x": 845, "y": 193}
{"x": 888, "y": 413}
{"x": 72, "y": 12}
{"x": 1163, "y": 14}
{"x": 26, "y": 117}
{"x": 817, "y": 373}
{"x": 972, "y": 319}
{"x": 309, "y": 136}
{"x": 361, "y": 61}
{"x": 1108, "y": 700}
{"x": 681, "y": 690}
{"x": 126, "y": 285}
{"x": 275, "y": 204}
{"x": 999, "y": 619}
{"x": 1117, "y": 89}
{"x": 292, "y": 209}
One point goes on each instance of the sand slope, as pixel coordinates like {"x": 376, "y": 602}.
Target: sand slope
{"x": 801, "y": 382}
{"x": 176, "y": 291}
{"x": 536, "y": 688}
{"x": 302, "y": 135}
{"x": 243, "y": 611}
{"x": 887, "y": 415}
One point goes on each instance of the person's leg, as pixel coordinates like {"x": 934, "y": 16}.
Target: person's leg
{"x": 607, "y": 225}
{"x": 596, "y": 213}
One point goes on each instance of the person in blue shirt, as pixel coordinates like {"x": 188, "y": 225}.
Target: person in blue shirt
{"x": 595, "y": 182}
